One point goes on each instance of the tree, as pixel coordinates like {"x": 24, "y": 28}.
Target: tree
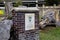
{"x": 51, "y": 2}
{"x": 17, "y": 2}
{"x": 8, "y": 6}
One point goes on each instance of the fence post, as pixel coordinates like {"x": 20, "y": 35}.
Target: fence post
{"x": 43, "y": 9}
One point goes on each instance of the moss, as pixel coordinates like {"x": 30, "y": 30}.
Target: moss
{"x": 9, "y": 17}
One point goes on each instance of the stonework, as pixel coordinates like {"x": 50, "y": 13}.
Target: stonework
{"x": 29, "y": 36}
{"x": 5, "y": 27}
{"x": 19, "y": 26}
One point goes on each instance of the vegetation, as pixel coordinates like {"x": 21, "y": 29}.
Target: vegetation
{"x": 9, "y": 17}
{"x": 51, "y": 2}
{"x": 18, "y": 3}
{"x": 0, "y": 0}
{"x": 50, "y": 34}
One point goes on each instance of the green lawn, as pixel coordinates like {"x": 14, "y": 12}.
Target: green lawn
{"x": 50, "y": 34}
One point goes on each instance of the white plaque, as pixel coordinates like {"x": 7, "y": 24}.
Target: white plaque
{"x": 29, "y": 21}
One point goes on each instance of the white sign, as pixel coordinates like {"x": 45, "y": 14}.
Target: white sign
{"x": 29, "y": 21}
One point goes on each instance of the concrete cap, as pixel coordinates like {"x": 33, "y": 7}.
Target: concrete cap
{"x": 25, "y": 9}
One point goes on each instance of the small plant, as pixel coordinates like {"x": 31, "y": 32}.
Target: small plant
{"x": 9, "y": 17}
{"x": 18, "y": 3}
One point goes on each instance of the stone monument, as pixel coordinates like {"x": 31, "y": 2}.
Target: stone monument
{"x": 26, "y": 23}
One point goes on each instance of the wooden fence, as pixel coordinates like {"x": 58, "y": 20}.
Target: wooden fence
{"x": 46, "y": 9}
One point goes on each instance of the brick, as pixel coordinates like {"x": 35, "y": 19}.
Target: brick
{"x": 19, "y": 26}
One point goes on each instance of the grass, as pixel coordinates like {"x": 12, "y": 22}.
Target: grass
{"x": 50, "y": 34}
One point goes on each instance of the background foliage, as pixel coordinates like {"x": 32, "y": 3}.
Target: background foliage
{"x": 17, "y": 2}
{"x": 51, "y": 2}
